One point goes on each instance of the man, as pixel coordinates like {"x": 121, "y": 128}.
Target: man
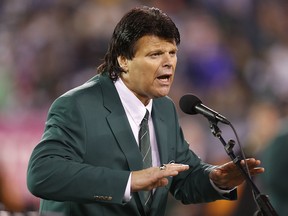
{"x": 90, "y": 160}
{"x": 274, "y": 157}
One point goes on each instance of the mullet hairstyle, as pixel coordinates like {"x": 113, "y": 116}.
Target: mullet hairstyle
{"x": 135, "y": 24}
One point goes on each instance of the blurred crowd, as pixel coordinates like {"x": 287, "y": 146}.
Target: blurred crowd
{"x": 233, "y": 55}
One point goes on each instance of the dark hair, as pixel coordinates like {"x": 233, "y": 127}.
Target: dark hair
{"x": 138, "y": 22}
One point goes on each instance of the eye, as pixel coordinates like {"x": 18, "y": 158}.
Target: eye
{"x": 173, "y": 53}
{"x": 156, "y": 54}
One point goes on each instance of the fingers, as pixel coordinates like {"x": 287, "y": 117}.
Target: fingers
{"x": 172, "y": 169}
{"x": 228, "y": 175}
{"x": 161, "y": 183}
{"x": 253, "y": 166}
{"x": 169, "y": 170}
{"x": 231, "y": 167}
{"x": 154, "y": 177}
{"x": 251, "y": 162}
{"x": 256, "y": 171}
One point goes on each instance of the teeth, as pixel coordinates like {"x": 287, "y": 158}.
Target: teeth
{"x": 163, "y": 77}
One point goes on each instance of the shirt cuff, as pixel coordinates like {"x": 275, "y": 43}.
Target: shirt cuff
{"x": 221, "y": 191}
{"x": 127, "y": 195}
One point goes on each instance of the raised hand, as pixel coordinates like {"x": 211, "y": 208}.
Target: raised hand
{"x": 153, "y": 177}
{"x": 228, "y": 175}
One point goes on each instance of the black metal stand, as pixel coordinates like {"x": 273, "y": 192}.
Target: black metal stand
{"x": 265, "y": 207}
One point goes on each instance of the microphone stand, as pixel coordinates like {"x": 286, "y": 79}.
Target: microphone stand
{"x": 266, "y": 209}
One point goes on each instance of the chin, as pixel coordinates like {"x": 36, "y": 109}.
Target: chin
{"x": 162, "y": 94}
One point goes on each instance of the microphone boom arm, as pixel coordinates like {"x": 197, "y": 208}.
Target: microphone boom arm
{"x": 266, "y": 209}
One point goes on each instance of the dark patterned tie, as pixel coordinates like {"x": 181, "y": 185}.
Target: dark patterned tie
{"x": 145, "y": 149}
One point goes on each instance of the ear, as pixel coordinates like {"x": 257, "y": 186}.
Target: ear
{"x": 123, "y": 62}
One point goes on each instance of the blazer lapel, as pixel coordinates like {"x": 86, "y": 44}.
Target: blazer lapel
{"x": 119, "y": 124}
{"x": 122, "y": 131}
{"x": 161, "y": 132}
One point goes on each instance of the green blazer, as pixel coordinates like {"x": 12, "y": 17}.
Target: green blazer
{"x": 83, "y": 161}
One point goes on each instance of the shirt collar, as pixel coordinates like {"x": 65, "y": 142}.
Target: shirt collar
{"x": 132, "y": 105}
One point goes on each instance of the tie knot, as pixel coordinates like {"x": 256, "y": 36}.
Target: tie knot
{"x": 146, "y": 117}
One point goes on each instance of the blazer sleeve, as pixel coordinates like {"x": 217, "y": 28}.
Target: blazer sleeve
{"x": 56, "y": 169}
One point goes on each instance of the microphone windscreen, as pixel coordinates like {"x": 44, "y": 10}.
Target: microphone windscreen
{"x": 188, "y": 102}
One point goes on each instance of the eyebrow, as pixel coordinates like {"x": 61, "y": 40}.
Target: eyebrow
{"x": 161, "y": 50}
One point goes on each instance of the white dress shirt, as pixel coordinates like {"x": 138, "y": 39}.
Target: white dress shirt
{"x": 135, "y": 111}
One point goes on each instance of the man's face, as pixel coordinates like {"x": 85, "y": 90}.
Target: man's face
{"x": 151, "y": 72}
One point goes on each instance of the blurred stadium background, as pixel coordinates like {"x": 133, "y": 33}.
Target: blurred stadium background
{"x": 233, "y": 55}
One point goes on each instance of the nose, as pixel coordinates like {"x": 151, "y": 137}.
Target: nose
{"x": 167, "y": 60}
{"x": 167, "y": 65}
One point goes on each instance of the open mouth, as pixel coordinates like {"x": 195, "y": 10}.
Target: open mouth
{"x": 164, "y": 77}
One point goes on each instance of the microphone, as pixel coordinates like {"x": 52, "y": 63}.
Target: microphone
{"x": 190, "y": 104}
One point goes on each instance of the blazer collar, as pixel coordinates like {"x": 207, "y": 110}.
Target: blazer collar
{"x": 119, "y": 123}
